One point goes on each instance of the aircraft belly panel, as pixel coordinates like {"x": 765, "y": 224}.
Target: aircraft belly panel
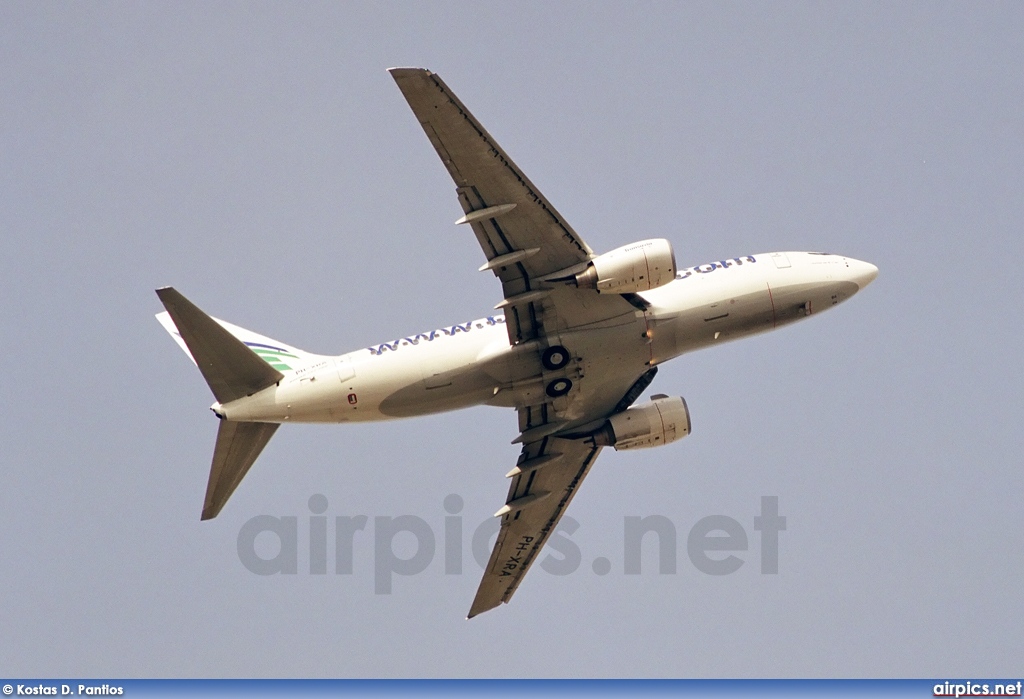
{"x": 452, "y": 390}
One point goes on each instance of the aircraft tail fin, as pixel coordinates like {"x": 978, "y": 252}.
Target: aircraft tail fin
{"x": 238, "y": 445}
{"x": 277, "y": 354}
{"x": 235, "y": 363}
{"x": 233, "y": 367}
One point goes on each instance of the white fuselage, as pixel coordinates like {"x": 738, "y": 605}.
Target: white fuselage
{"x": 474, "y": 363}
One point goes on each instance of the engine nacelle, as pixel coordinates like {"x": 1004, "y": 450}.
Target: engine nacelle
{"x": 639, "y": 266}
{"x": 652, "y": 424}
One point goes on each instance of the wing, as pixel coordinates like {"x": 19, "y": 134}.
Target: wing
{"x": 526, "y": 243}
{"x": 543, "y": 484}
{"x": 544, "y": 481}
{"x": 522, "y": 235}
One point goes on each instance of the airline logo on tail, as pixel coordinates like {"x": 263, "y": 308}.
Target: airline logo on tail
{"x": 277, "y": 354}
{"x": 276, "y": 357}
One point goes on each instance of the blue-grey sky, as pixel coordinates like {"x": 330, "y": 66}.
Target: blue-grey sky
{"x": 258, "y": 157}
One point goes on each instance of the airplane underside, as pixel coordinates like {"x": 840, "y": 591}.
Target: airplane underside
{"x": 578, "y": 341}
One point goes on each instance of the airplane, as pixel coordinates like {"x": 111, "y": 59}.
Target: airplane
{"x": 574, "y": 342}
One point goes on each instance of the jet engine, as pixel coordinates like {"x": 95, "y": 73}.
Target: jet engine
{"x": 639, "y": 266}
{"x": 652, "y": 424}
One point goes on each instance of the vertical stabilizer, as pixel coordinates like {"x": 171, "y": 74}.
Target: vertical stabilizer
{"x": 233, "y": 371}
{"x": 230, "y": 368}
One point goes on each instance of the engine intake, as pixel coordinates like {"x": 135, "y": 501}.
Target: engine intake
{"x": 652, "y": 424}
{"x": 639, "y": 266}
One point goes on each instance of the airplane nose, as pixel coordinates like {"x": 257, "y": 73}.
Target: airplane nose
{"x": 863, "y": 273}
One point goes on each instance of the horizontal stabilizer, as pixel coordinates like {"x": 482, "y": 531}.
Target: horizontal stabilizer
{"x": 238, "y": 445}
{"x": 230, "y": 368}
